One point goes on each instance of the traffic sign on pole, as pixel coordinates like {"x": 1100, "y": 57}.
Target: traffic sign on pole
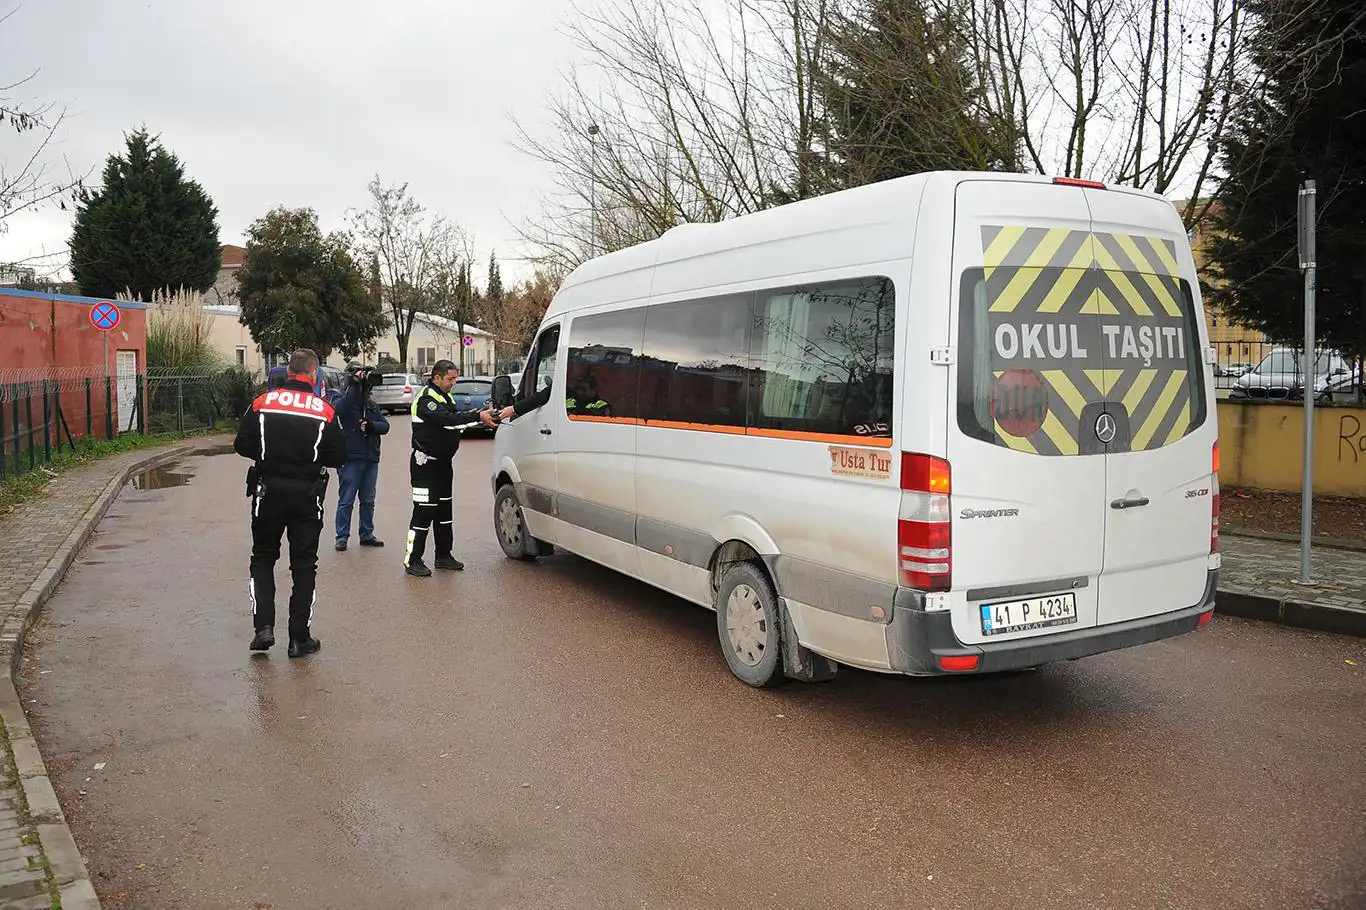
{"x": 105, "y": 316}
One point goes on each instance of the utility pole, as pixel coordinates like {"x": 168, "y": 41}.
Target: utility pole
{"x": 1308, "y": 262}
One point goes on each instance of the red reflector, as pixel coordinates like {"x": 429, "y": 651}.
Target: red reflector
{"x": 926, "y": 554}
{"x": 1204, "y": 619}
{"x": 1216, "y": 459}
{"x": 959, "y": 664}
{"x": 925, "y": 473}
{"x": 1073, "y": 181}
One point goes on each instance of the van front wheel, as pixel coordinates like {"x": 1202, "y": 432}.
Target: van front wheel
{"x": 748, "y": 621}
{"x": 510, "y": 526}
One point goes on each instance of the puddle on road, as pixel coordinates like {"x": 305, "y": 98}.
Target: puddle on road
{"x": 160, "y": 477}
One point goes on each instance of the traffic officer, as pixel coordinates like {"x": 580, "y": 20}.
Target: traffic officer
{"x": 293, "y": 436}
{"x": 436, "y": 438}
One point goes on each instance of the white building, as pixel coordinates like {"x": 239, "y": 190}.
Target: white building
{"x": 432, "y": 337}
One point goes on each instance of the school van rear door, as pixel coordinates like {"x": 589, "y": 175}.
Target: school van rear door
{"x": 1079, "y": 414}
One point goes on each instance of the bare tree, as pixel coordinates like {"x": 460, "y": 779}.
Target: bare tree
{"x": 29, "y": 181}
{"x": 408, "y": 246}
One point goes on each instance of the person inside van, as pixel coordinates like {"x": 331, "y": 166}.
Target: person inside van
{"x": 526, "y": 405}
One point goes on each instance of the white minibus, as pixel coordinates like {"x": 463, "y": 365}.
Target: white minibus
{"x": 949, "y": 423}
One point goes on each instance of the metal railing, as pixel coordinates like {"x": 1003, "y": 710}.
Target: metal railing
{"x": 1236, "y": 358}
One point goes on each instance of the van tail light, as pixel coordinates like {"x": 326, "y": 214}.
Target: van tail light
{"x": 924, "y": 528}
{"x": 1214, "y": 517}
{"x": 1073, "y": 181}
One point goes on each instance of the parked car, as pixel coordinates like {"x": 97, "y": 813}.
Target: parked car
{"x": 1280, "y": 377}
{"x": 473, "y": 393}
{"x": 394, "y": 394}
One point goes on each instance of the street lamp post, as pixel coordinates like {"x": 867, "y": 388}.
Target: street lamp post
{"x": 593, "y": 183}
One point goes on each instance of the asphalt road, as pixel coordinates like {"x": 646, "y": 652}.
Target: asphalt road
{"x": 557, "y": 736}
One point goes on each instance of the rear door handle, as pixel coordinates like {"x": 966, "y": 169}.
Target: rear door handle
{"x": 545, "y": 431}
{"x": 1130, "y": 503}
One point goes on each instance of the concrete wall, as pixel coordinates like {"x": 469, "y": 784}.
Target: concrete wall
{"x": 1261, "y": 445}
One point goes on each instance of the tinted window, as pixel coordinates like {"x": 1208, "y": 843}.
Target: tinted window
{"x": 823, "y": 358}
{"x": 540, "y": 369}
{"x": 602, "y": 372}
{"x": 695, "y": 363}
{"x": 1045, "y": 351}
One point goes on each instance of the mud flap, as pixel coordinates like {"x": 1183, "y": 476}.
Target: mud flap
{"x": 799, "y": 663}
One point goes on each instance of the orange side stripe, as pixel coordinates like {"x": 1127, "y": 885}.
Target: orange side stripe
{"x": 703, "y": 427}
{"x": 881, "y": 442}
{"x": 596, "y": 418}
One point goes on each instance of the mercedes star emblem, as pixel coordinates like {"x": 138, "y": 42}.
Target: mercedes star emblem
{"x": 1106, "y": 428}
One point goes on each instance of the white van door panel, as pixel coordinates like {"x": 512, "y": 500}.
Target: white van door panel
{"x": 596, "y": 460}
{"x": 534, "y": 437}
{"x": 1159, "y": 487}
{"x": 1028, "y": 487}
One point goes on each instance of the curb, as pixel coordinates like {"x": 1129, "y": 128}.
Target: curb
{"x": 1290, "y": 612}
{"x": 1329, "y": 543}
{"x": 68, "y": 867}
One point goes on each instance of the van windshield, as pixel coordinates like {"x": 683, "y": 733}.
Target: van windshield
{"x": 1046, "y": 351}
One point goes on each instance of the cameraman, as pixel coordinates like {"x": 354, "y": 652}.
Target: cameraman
{"x": 363, "y": 425}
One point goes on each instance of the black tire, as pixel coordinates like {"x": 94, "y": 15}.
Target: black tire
{"x": 755, "y": 653}
{"x": 509, "y": 526}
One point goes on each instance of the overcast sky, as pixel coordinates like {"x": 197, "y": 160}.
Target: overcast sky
{"x": 297, "y": 102}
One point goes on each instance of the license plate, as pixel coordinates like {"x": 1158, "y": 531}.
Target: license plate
{"x": 1024, "y": 615}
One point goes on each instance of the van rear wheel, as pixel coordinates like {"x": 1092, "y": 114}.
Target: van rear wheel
{"x": 510, "y": 526}
{"x": 749, "y": 622}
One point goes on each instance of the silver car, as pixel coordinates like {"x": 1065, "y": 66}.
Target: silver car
{"x": 395, "y": 392}
{"x": 1280, "y": 376}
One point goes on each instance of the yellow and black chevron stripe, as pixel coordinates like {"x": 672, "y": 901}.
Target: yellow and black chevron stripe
{"x": 1126, "y": 279}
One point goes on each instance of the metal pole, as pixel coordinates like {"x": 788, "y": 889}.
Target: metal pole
{"x": 108, "y": 405}
{"x": 593, "y": 185}
{"x": 180, "y": 404}
{"x": 1308, "y": 262}
{"x": 47, "y": 423}
{"x": 28, "y": 415}
{"x": 89, "y": 418}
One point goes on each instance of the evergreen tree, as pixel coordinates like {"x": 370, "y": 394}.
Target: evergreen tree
{"x": 495, "y": 286}
{"x": 301, "y": 289}
{"x": 901, "y": 97}
{"x": 1308, "y": 123}
{"x": 147, "y": 228}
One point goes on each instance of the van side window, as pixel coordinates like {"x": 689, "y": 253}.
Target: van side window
{"x": 823, "y": 358}
{"x": 696, "y": 362}
{"x": 541, "y": 367}
{"x": 602, "y": 370}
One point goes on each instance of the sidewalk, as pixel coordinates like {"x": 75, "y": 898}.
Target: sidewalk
{"x": 1258, "y": 582}
{"x": 40, "y": 865}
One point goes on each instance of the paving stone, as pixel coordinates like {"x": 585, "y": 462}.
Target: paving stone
{"x": 1269, "y": 568}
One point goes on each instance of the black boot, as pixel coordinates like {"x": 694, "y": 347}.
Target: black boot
{"x": 418, "y": 569}
{"x": 305, "y": 647}
{"x": 449, "y": 562}
{"x": 264, "y": 639}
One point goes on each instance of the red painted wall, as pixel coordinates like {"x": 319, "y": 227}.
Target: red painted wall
{"x": 51, "y": 337}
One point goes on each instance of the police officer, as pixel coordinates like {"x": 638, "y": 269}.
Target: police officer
{"x": 293, "y": 436}
{"x": 436, "y": 438}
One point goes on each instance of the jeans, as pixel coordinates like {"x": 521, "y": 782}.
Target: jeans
{"x": 357, "y": 476}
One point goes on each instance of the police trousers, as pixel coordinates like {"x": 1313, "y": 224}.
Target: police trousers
{"x": 432, "y": 481}
{"x": 284, "y": 506}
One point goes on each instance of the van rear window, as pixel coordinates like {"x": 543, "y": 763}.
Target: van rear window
{"x": 1045, "y": 352}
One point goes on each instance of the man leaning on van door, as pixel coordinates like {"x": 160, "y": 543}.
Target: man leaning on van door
{"x": 436, "y": 438}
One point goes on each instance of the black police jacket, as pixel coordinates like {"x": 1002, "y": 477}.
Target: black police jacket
{"x": 291, "y": 433}
{"x": 436, "y": 422}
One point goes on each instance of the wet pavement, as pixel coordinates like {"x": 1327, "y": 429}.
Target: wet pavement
{"x": 558, "y": 736}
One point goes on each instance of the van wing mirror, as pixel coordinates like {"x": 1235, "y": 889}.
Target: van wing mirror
{"x": 502, "y": 394}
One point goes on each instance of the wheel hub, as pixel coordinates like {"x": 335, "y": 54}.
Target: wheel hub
{"x": 746, "y": 625}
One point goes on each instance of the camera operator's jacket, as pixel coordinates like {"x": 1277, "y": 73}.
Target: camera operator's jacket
{"x": 436, "y": 422}
{"x": 353, "y": 405}
{"x": 291, "y": 433}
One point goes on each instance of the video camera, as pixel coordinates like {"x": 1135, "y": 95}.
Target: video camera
{"x": 367, "y": 376}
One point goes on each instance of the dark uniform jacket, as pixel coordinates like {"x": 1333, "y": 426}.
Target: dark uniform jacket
{"x": 353, "y": 406}
{"x": 291, "y": 434}
{"x": 435, "y": 422}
